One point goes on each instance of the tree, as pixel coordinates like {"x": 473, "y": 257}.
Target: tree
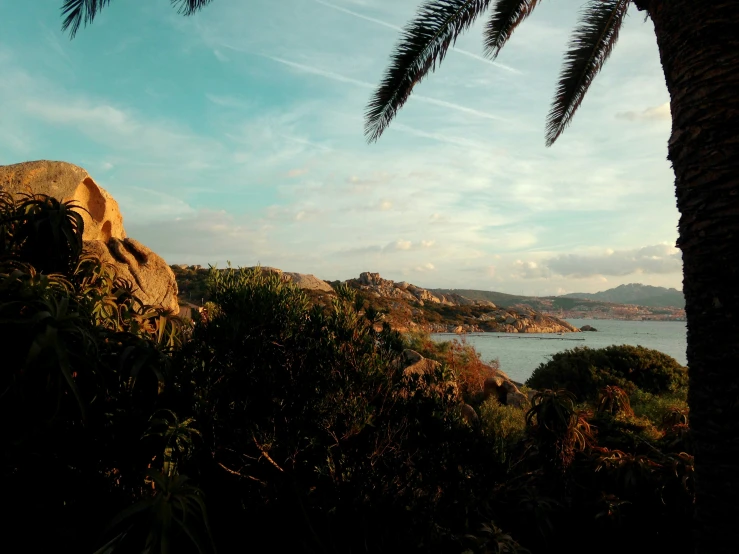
{"x": 699, "y": 51}
{"x": 77, "y": 12}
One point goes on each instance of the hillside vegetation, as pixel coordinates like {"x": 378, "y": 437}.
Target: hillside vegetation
{"x": 403, "y": 306}
{"x": 309, "y": 426}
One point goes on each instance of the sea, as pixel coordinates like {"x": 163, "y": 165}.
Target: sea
{"x": 519, "y": 354}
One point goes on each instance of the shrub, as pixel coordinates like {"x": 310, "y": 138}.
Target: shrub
{"x": 504, "y": 425}
{"x": 310, "y": 420}
{"x": 84, "y": 366}
{"x": 584, "y": 371}
{"x": 469, "y": 370}
{"x": 658, "y": 409}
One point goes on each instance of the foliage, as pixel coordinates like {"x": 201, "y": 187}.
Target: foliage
{"x": 426, "y": 39}
{"x": 273, "y": 408}
{"x": 504, "y": 426}
{"x": 84, "y": 364}
{"x": 657, "y": 407}
{"x": 77, "y": 12}
{"x": 614, "y": 400}
{"x": 558, "y": 428}
{"x": 461, "y": 358}
{"x": 310, "y": 409}
{"x": 585, "y": 371}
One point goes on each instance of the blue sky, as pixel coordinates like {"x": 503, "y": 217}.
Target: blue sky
{"x": 237, "y": 134}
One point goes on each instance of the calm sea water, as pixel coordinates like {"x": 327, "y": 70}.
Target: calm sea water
{"x": 520, "y": 354}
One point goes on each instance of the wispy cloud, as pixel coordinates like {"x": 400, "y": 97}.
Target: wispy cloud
{"x": 263, "y": 158}
{"x": 654, "y": 259}
{"x": 396, "y": 28}
{"x": 657, "y": 113}
{"x": 364, "y": 84}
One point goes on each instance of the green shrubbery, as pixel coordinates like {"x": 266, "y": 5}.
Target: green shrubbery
{"x": 584, "y": 371}
{"x": 274, "y": 420}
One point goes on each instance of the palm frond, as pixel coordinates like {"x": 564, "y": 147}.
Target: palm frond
{"x": 77, "y": 11}
{"x": 423, "y": 44}
{"x": 189, "y": 7}
{"x": 507, "y": 15}
{"x": 589, "y": 49}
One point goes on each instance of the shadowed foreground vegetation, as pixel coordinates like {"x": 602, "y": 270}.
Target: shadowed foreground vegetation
{"x": 127, "y": 429}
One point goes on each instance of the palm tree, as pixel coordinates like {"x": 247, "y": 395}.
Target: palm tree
{"x": 77, "y": 12}
{"x": 699, "y": 51}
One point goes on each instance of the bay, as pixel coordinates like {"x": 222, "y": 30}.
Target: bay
{"x": 519, "y": 354}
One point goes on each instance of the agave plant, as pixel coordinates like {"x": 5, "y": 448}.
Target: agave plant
{"x": 557, "y": 428}
{"x": 48, "y": 233}
{"x": 614, "y": 400}
{"x": 173, "y": 516}
{"x": 51, "y": 347}
{"x": 490, "y": 539}
{"x": 178, "y": 437}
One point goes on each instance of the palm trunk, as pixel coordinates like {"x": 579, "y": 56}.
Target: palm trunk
{"x": 698, "y": 42}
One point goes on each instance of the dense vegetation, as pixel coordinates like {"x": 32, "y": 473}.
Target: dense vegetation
{"x": 399, "y": 313}
{"x": 276, "y": 419}
{"x": 584, "y": 371}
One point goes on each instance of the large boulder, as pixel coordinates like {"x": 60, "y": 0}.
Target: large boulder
{"x": 104, "y": 236}
{"x": 415, "y": 365}
{"x": 307, "y": 281}
{"x": 504, "y": 389}
{"x": 64, "y": 181}
{"x": 304, "y": 281}
{"x": 153, "y": 281}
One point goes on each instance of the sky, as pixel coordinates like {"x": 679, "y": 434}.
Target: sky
{"x": 237, "y": 135}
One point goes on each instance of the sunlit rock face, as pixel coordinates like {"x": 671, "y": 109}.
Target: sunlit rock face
{"x": 104, "y": 235}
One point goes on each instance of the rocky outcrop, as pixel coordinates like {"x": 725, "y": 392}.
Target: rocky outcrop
{"x": 375, "y": 285}
{"x": 152, "y": 279}
{"x": 104, "y": 235}
{"x": 487, "y": 316}
{"x": 64, "y": 181}
{"x": 415, "y": 366}
{"x": 303, "y": 281}
{"x": 309, "y": 282}
{"x": 469, "y": 414}
{"x": 588, "y": 328}
{"x": 504, "y": 389}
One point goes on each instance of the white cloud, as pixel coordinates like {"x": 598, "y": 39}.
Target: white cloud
{"x": 530, "y": 270}
{"x": 399, "y": 245}
{"x": 657, "y": 113}
{"x": 289, "y": 180}
{"x": 656, "y": 259}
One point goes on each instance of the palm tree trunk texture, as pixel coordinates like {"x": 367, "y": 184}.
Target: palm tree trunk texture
{"x": 698, "y": 42}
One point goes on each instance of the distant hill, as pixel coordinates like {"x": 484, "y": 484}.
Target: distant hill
{"x": 498, "y": 298}
{"x": 635, "y": 293}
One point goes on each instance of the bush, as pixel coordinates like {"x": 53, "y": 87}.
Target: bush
{"x": 460, "y": 358}
{"x": 504, "y": 425}
{"x": 310, "y": 420}
{"x": 84, "y": 366}
{"x": 296, "y": 422}
{"x": 585, "y": 371}
{"x": 658, "y": 409}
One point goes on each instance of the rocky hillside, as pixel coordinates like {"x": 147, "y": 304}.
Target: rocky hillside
{"x": 403, "y": 305}
{"x": 406, "y": 306}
